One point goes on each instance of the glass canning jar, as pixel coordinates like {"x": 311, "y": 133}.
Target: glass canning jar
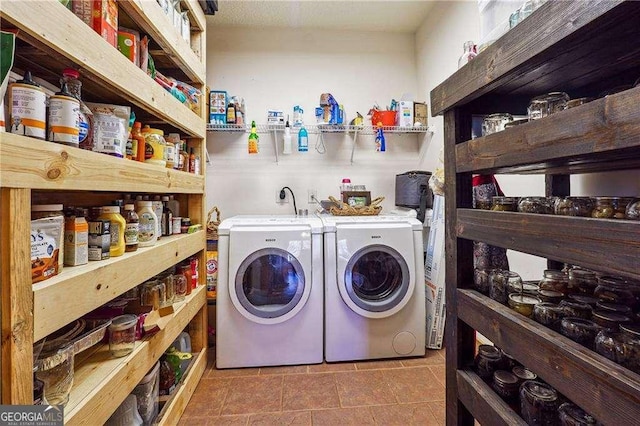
{"x": 605, "y": 207}
{"x": 504, "y": 204}
{"x": 180, "y": 285}
{"x": 583, "y": 298}
{"x": 633, "y": 210}
{"x": 506, "y": 385}
{"x": 481, "y": 280}
{"x": 621, "y": 208}
{"x": 610, "y": 320}
{"x": 579, "y": 330}
{"x": 621, "y": 347}
{"x": 582, "y": 281}
{"x": 554, "y": 280}
{"x": 495, "y": 123}
{"x": 523, "y": 303}
{"x": 615, "y": 290}
{"x": 538, "y": 403}
{"x": 523, "y": 374}
{"x": 550, "y": 296}
{"x": 487, "y": 361}
{"x": 571, "y": 415}
{"x": 573, "y": 206}
{"x": 548, "y": 314}
{"x": 524, "y": 287}
{"x": 547, "y": 104}
{"x": 499, "y": 282}
{"x": 537, "y": 205}
{"x": 614, "y": 307}
{"x": 576, "y": 309}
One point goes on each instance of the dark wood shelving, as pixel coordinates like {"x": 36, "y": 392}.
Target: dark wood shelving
{"x": 603, "y": 388}
{"x": 606, "y": 245}
{"x": 582, "y": 48}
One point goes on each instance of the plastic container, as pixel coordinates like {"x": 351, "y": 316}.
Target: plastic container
{"x": 126, "y": 414}
{"x": 148, "y": 224}
{"x": 147, "y": 393}
{"x": 117, "y": 229}
{"x": 386, "y": 118}
{"x": 55, "y": 369}
{"x": 155, "y": 146}
{"x": 122, "y": 335}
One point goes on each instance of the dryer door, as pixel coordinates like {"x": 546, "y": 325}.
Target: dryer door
{"x": 376, "y": 280}
{"x": 270, "y": 284}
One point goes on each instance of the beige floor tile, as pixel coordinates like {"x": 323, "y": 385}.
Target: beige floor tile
{"x": 329, "y": 368}
{"x": 404, "y": 414}
{"x": 288, "y": 418}
{"x": 290, "y": 369}
{"x": 440, "y": 372}
{"x": 312, "y": 391}
{"x": 193, "y": 421}
{"x": 439, "y": 410}
{"x": 416, "y": 384}
{"x": 228, "y": 421}
{"x": 208, "y": 396}
{"x": 364, "y": 388}
{"x": 359, "y": 416}
{"x": 431, "y": 357}
{"x": 248, "y": 395}
{"x": 378, "y": 365}
{"x": 215, "y": 373}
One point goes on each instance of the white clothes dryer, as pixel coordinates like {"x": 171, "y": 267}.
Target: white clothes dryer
{"x": 269, "y": 307}
{"x": 374, "y": 287}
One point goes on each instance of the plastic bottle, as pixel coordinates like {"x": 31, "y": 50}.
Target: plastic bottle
{"x": 138, "y": 145}
{"x": 85, "y": 116}
{"x": 147, "y": 232}
{"x": 155, "y": 146}
{"x": 192, "y": 161}
{"x": 167, "y": 217}
{"x": 344, "y": 187}
{"x": 381, "y": 145}
{"x": 156, "y": 204}
{"x": 118, "y": 225}
{"x": 254, "y": 140}
{"x": 131, "y": 229}
{"x": 231, "y": 113}
{"x": 303, "y": 140}
{"x": 467, "y": 55}
{"x": 286, "y": 147}
{"x": 174, "y": 205}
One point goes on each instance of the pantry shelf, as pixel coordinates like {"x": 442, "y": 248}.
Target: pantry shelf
{"x": 96, "y": 283}
{"x": 102, "y": 382}
{"x": 105, "y": 70}
{"x": 48, "y": 165}
{"x": 485, "y": 405}
{"x": 543, "y": 51}
{"x": 585, "y": 138}
{"x": 589, "y": 379}
{"x": 607, "y": 245}
{"x": 319, "y": 128}
{"x": 152, "y": 20}
{"x": 196, "y": 14}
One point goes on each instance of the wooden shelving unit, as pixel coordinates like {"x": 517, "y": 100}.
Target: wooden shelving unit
{"x": 34, "y": 171}
{"x": 582, "y": 48}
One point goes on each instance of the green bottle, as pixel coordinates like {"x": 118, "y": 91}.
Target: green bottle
{"x": 253, "y": 139}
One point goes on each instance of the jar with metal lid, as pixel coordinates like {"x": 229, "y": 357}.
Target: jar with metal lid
{"x": 547, "y": 104}
{"x": 537, "y": 205}
{"x": 180, "y": 284}
{"x": 548, "y": 314}
{"x": 577, "y": 102}
{"x": 554, "y": 280}
{"x": 122, "y": 335}
{"x": 580, "y": 330}
{"x": 583, "y": 298}
{"x": 605, "y": 207}
{"x": 576, "y": 309}
{"x": 615, "y": 290}
{"x": 550, "y": 296}
{"x": 499, "y": 284}
{"x": 523, "y": 303}
{"x": 633, "y": 210}
{"x": 506, "y": 385}
{"x": 614, "y": 307}
{"x": 573, "y": 206}
{"x": 508, "y": 361}
{"x": 504, "y": 204}
{"x": 155, "y": 146}
{"x": 481, "y": 280}
{"x": 538, "y": 403}
{"x": 488, "y": 361}
{"x": 571, "y": 415}
{"x": 40, "y": 211}
{"x": 523, "y": 374}
{"x": 607, "y": 343}
{"x": 630, "y": 354}
{"x": 495, "y": 123}
{"x": 524, "y": 287}
{"x": 582, "y": 281}
{"x": 610, "y": 320}
{"x": 621, "y": 208}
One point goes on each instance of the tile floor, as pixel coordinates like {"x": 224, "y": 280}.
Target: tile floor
{"x": 391, "y": 392}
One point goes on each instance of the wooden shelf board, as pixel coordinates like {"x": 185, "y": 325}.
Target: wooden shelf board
{"x": 96, "y": 283}
{"x": 152, "y": 20}
{"x": 102, "y": 382}
{"x": 483, "y": 403}
{"x": 588, "y": 379}
{"x": 31, "y": 163}
{"x": 547, "y": 51}
{"x": 606, "y": 245}
{"x": 99, "y": 63}
{"x": 586, "y": 137}
{"x": 174, "y": 408}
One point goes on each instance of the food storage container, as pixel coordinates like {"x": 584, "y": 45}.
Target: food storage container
{"x": 488, "y": 361}
{"x": 621, "y": 347}
{"x": 615, "y": 290}
{"x": 580, "y": 330}
{"x": 523, "y": 303}
{"x": 549, "y": 314}
{"x": 499, "y": 284}
{"x": 504, "y": 204}
{"x": 525, "y": 287}
{"x": 614, "y": 307}
{"x": 633, "y": 210}
{"x": 576, "y": 309}
{"x": 538, "y": 205}
{"x": 550, "y": 296}
{"x": 55, "y": 369}
{"x": 523, "y": 374}
{"x": 571, "y": 415}
{"x": 610, "y": 320}
{"x": 509, "y": 361}
{"x": 577, "y": 102}
{"x": 583, "y": 298}
{"x": 481, "y": 280}
{"x": 554, "y": 280}
{"x": 122, "y": 335}
{"x": 605, "y": 207}
{"x": 573, "y": 206}
{"x": 544, "y": 105}
{"x": 495, "y": 123}
{"x": 180, "y": 284}
{"x": 538, "y": 403}
{"x": 506, "y": 385}
{"x": 582, "y": 281}
{"x": 150, "y": 295}
{"x": 147, "y": 393}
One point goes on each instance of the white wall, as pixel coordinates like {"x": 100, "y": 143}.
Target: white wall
{"x": 278, "y": 68}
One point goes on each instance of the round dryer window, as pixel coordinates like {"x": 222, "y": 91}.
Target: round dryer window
{"x": 270, "y": 283}
{"x": 377, "y": 278}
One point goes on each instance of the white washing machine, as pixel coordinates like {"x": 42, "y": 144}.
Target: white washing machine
{"x": 374, "y": 287}
{"x": 270, "y": 291}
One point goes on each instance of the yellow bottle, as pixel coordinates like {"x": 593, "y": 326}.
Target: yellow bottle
{"x": 118, "y": 225}
{"x": 254, "y": 141}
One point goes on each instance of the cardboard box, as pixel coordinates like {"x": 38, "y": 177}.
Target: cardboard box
{"x": 83, "y": 9}
{"x": 405, "y": 114}
{"x": 434, "y": 277}
{"x": 420, "y": 113}
{"x": 129, "y": 44}
{"x": 217, "y": 107}
{"x": 105, "y": 20}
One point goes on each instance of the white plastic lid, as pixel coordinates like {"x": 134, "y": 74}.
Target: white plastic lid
{"x": 145, "y": 203}
{"x": 129, "y": 207}
{"x": 46, "y": 207}
{"x": 111, "y": 209}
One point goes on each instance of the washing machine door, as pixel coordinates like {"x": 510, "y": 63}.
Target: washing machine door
{"x": 377, "y": 280}
{"x": 270, "y": 284}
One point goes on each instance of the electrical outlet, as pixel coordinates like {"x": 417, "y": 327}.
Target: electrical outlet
{"x": 282, "y": 201}
{"x": 313, "y": 196}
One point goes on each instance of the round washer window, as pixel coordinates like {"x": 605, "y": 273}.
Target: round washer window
{"x": 270, "y": 283}
{"x": 377, "y": 278}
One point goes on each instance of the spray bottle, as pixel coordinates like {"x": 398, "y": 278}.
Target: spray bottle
{"x": 286, "y": 147}
{"x": 380, "y": 142}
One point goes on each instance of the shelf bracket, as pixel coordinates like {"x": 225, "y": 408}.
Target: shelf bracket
{"x": 353, "y": 144}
